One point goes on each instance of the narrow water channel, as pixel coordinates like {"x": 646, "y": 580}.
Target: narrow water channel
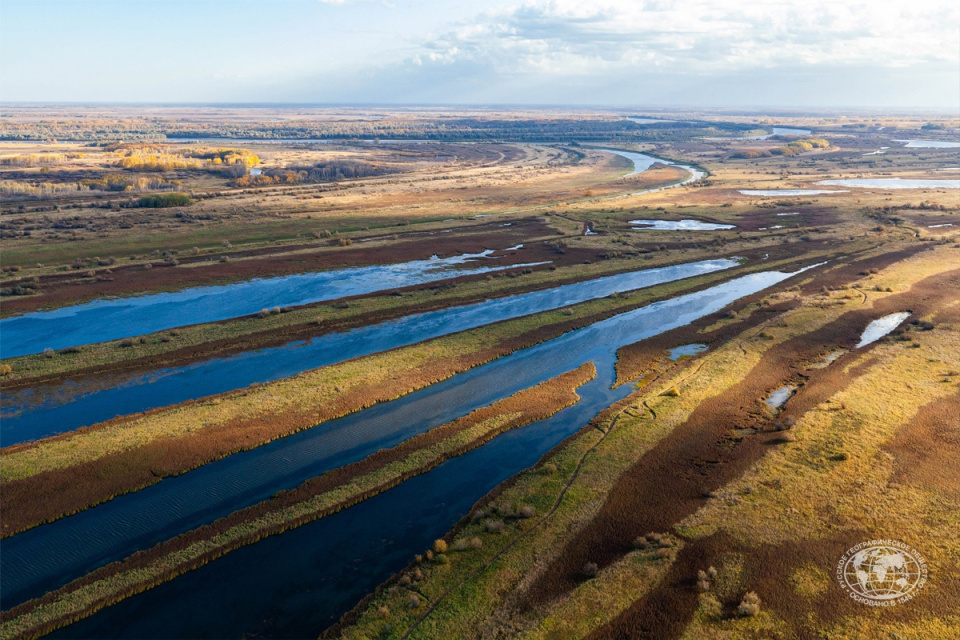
{"x": 48, "y": 556}
{"x": 296, "y": 584}
{"x": 110, "y": 319}
{"x": 70, "y": 405}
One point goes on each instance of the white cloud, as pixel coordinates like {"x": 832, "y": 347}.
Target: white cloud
{"x": 572, "y": 37}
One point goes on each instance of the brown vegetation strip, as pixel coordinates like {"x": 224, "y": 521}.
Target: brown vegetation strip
{"x": 701, "y": 455}
{"x": 927, "y": 451}
{"x": 522, "y": 408}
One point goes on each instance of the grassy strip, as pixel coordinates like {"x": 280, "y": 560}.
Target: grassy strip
{"x": 65, "y": 474}
{"x": 310, "y": 501}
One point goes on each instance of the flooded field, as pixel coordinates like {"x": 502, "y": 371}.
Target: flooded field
{"x": 678, "y": 225}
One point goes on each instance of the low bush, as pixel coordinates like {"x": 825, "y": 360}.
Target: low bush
{"x": 750, "y": 605}
{"x": 163, "y": 201}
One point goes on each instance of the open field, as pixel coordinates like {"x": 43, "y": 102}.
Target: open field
{"x": 287, "y": 324}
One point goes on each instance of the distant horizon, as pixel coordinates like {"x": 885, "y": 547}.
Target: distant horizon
{"x": 829, "y": 54}
{"x": 767, "y": 110}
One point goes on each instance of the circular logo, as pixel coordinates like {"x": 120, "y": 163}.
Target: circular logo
{"x": 882, "y": 573}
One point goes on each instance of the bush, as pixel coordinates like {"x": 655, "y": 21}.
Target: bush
{"x": 527, "y": 511}
{"x": 126, "y": 342}
{"x": 5, "y": 369}
{"x": 750, "y": 605}
{"x": 465, "y": 544}
{"x": 413, "y": 601}
{"x": 493, "y": 526}
{"x": 439, "y": 546}
{"x": 163, "y": 201}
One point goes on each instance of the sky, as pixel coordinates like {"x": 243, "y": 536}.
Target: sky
{"x": 717, "y": 53}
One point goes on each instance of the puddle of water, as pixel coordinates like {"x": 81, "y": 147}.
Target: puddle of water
{"x": 881, "y": 327}
{"x": 678, "y": 225}
{"x": 687, "y": 350}
{"x": 787, "y": 192}
{"x": 776, "y": 226}
{"x": 929, "y": 144}
{"x": 111, "y": 319}
{"x": 828, "y": 360}
{"x": 778, "y": 398}
{"x": 790, "y": 213}
{"x": 937, "y": 226}
{"x": 893, "y": 183}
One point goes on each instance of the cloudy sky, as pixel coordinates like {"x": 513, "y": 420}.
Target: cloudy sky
{"x": 736, "y": 53}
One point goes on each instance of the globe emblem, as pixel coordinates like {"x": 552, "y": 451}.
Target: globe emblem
{"x": 880, "y": 572}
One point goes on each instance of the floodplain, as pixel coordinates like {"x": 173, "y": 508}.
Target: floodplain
{"x": 360, "y": 373}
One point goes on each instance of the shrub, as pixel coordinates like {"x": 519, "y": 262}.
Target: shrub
{"x": 413, "y": 601}
{"x": 126, "y": 342}
{"x": 493, "y": 526}
{"x": 48, "y": 352}
{"x": 441, "y": 558}
{"x": 345, "y": 242}
{"x": 440, "y": 546}
{"x": 527, "y": 511}
{"x": 589, "y": 570}
{"x": 640, "y": 542}
{"x": 163, "y": 201}
{"x": 750, "y": 605}
{"x": 224, "y": 259}
{"x": 5, "y": 369}
{"x": 712, "y": 573}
